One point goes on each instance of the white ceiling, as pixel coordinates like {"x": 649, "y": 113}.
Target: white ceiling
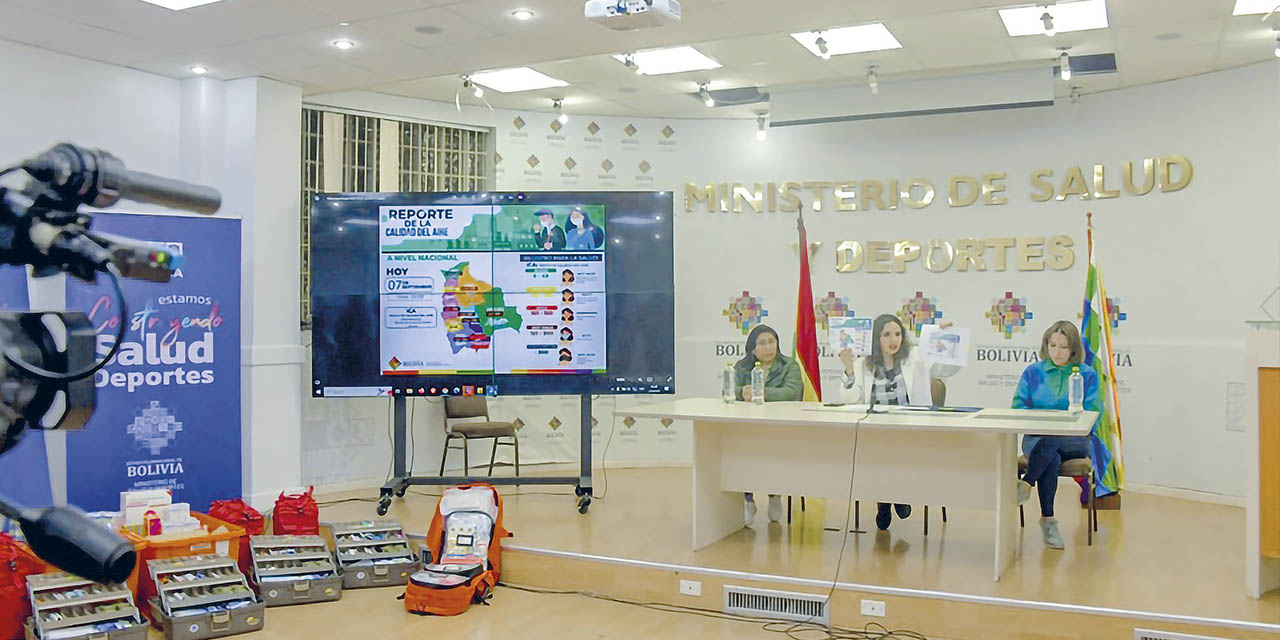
{"x": 1153, "y": 40}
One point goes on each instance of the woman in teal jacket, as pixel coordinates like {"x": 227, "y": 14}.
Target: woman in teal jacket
{"x": 1045, "y": 385}
{"x": 782, "y": 383}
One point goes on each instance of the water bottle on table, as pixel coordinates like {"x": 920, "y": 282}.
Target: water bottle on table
{"x": 1075, "y": 391}
{"x": 757, "y": 384}
{"x": 727, "y": 390}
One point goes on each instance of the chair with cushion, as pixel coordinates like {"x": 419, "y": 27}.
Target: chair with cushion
{"x": 458, "y": 411}
{"x": 1079, "y": 469}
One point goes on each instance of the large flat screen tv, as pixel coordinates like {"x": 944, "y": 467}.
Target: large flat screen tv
{"x": 492, "y": 293}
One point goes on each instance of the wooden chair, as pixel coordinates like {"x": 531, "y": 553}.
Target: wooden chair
{"x": 1076, "y": 468}
{"x": 459, "y": 408}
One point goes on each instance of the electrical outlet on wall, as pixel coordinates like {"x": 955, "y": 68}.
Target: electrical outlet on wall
{"x": 873, "y": 608}
{"x": 690, "y": 587}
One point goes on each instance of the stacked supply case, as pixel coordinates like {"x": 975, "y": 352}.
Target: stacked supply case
{"x": 373, "y": 554}
{"x": 203, "y": 597}
{"x": 67, "y": 606}
{"x": 294, "y": 570}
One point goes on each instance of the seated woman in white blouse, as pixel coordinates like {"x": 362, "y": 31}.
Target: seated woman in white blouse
{"x": 892, "y": 374}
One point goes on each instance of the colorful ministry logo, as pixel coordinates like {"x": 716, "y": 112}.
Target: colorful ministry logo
{"x": 919, "y": 311}
{"x": 1113, "y": 312}
{"x": 1009, "y": 314}
{"x": 745, "y": 312}
{"x": 830, "y": 307}
{"x": 154, "y": 428}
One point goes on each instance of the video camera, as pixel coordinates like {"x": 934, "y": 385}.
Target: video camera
{"x": 46, "y": 373}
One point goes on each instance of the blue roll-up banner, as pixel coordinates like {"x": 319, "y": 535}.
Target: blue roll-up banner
{"x": 168, "y": 413}
{"x": 25, "y": 467}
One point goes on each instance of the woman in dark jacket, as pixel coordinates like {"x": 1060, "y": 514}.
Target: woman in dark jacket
{"x": 782, "y": 383}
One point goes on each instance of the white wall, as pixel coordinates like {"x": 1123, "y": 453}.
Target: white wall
{"x": 1188, "y": 267}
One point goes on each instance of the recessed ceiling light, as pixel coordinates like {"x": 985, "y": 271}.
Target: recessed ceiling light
{"x": 1067, "y": 16}
{"x": 1168, "y": 36}
{"x": 179, "y": 5}
{"x": 428, "y": 29}
{"x": 1249, "y": 7}
{"x": 344, "y": 24}
{"x": 344, "y": 44}
{"x": 516, "y": 79}
{"x": 522, "y": 14}
{"x": 656, "y": 62}
{"x": 842, "y": 40}
{"x": 199, "y": 69}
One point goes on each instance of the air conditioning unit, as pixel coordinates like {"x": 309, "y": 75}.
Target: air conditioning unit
{"x": 626, "y": 15}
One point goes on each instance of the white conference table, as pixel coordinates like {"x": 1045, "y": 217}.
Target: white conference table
{"x": 964, "y": 460}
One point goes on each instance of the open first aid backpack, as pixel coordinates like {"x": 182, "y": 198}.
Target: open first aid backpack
{"x": 464, "y": 552}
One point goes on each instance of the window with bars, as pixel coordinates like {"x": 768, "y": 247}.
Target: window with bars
{"x": 312, "y": 182}
{"x": 439, "y": 158}
{"x": 432, "y": 158}
{"x": 360, "y": 153}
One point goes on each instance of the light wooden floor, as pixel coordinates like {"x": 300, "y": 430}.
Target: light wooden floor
{"x": 1158, "y": 554}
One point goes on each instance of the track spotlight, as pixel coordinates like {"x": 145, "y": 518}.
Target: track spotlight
{"x": 873, "y": 79}
{"x": 558, "y": 105}
{"x": 705, "y": 94}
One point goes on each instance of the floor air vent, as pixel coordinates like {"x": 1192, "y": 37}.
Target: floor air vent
{"x": 1151, "y": 634}
{"x": 780, "y": 605}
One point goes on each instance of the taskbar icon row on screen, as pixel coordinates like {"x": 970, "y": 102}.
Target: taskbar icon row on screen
{"x": 465, "y": 390}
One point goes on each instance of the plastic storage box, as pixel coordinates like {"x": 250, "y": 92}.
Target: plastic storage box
{"x": 294, "y": 570}
{"x": 373, "y": 554}
{"x": 61, "y": 601}
{"x": 203, "y": 597}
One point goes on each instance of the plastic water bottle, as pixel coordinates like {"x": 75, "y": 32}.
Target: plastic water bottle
{"x": 757, "y": 384}
{"x": 727, "y": 390}
{"x": 1075, "y": 391}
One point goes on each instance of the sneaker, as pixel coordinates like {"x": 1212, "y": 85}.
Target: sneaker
{"x": 775, "y": 508}
{"x": 1024, "y": 491}
{"x": 903, "y": 510}
{"x": 1052, "y": 537}
{"x": 751, "y": 511}
{"x": 883, "y": 516}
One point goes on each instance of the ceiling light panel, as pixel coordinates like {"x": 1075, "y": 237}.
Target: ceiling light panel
{"x": 179, "y": 5}
{"x": 1067, "y": 16}
{"x": 842, "y": 40}
{"x": 516, "y": 79}
{"x": 656, "y": 62}
{"x": 1251, "y": 7}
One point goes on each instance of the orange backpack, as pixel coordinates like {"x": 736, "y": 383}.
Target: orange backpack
{"x": 464, "y": 552}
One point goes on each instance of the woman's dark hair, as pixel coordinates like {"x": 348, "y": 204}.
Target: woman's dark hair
{"x": 748, "y": 361}
{"x": 567, "y": 292}
{"x": 566, "y": 355}
{"x": 597, "y": 234}
{"x": 877, "y": 353}
{"x": 566, "y": 313}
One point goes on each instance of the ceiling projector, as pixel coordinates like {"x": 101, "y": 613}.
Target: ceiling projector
{"x": 625, "y": 15}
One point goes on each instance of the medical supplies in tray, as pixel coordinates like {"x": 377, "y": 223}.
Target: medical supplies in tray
{"x": 66, "y": 606}
{"x": 203, "y": 597}
{"x": 294, "y": 570}
{"x": 373, "y": 553}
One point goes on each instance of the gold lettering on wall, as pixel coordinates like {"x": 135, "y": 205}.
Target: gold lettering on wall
{"x": 849, "y": 256}
{"x": 1042, "y": 188}
{"x": 969, "y": 251}
{"x": 1001, "y": 245}
{"x": 904, "y": 251}
{"x": 948, "y": 251}
{"x": 1166, "y": 163}
{"x": 873, "y": 193}
{"x": 790, "y": 197}
{"x": 878, "y": 254}
{"x": 1030, "y": 253}
{"x": 908, "y": 193}
{"x": 990, "y": 189}
{"x": 970, "y": 196}
{"x": 753, "y": 198}
{"x": 1073, "y": 184}
{"x": 1148, "y": 177}
{"x": 817, "y": 187}
{"x": 771, "y": 191}
{"x": 692, "y": 194}
{"x": 1100, "y": 190}
{"x": 846, "y": 194}
{"x": 1061, "y": 257}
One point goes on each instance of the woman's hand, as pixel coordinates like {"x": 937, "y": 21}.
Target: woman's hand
{"x": 846, "y": 357}
{"x": 746, "y": 393}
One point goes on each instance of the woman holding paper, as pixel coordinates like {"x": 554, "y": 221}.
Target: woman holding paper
{"x": 893, "y": 374}
{"x": 1045, "y": 385}
{"x": 782, "y": 383}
